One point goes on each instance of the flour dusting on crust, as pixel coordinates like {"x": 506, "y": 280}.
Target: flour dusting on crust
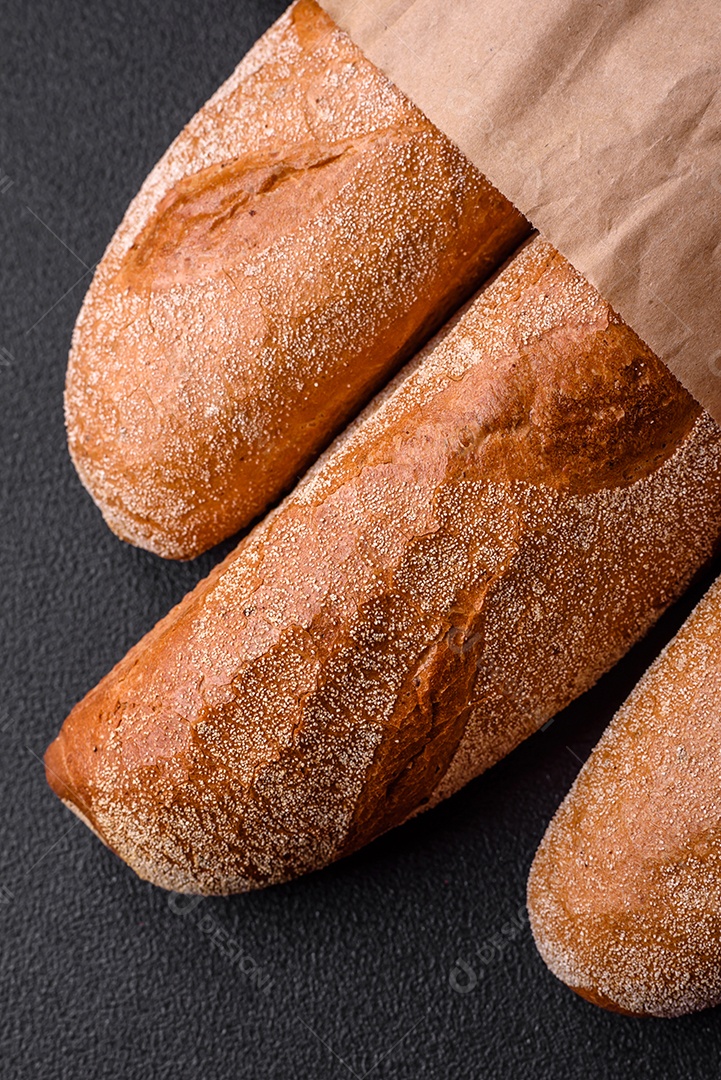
{"x": 300, "y": 239}
{"x": 625, "y": 892}
{"x": 469, "y": 556}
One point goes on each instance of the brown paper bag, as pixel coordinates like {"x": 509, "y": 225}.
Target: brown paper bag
{"x": 602, "y": 122}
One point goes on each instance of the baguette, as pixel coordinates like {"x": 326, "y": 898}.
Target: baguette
{"x": 625, "y": 891}
{"x": 495, "y": 531}
{"x": 307, "y": 231}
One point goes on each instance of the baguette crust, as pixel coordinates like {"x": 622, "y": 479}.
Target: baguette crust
{"x": 625, "y": 891}
{"x": 495, "y": 531}
{"x": 307, "y": 231}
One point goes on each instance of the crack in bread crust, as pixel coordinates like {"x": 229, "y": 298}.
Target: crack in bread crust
{"x": 303, "y": 236}
{"x": 469, "y": 556}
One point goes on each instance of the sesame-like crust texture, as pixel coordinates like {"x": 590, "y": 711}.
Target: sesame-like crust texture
{"x": 625, "y": 891}
{"x": 306, "y": 232}
{"x": 501, "y": 524}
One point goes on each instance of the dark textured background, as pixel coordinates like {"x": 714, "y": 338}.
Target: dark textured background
{"x": 101, "y": 975}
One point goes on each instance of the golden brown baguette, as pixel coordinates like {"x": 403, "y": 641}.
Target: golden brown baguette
{"x": 496, "y": 530}
{"x": 299, "y": 240}
{"x": 625, "y": 891}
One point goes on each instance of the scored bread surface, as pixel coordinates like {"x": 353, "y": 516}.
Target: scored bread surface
{"x": 469, "y": 556}
{"x": 301, "y": 238}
